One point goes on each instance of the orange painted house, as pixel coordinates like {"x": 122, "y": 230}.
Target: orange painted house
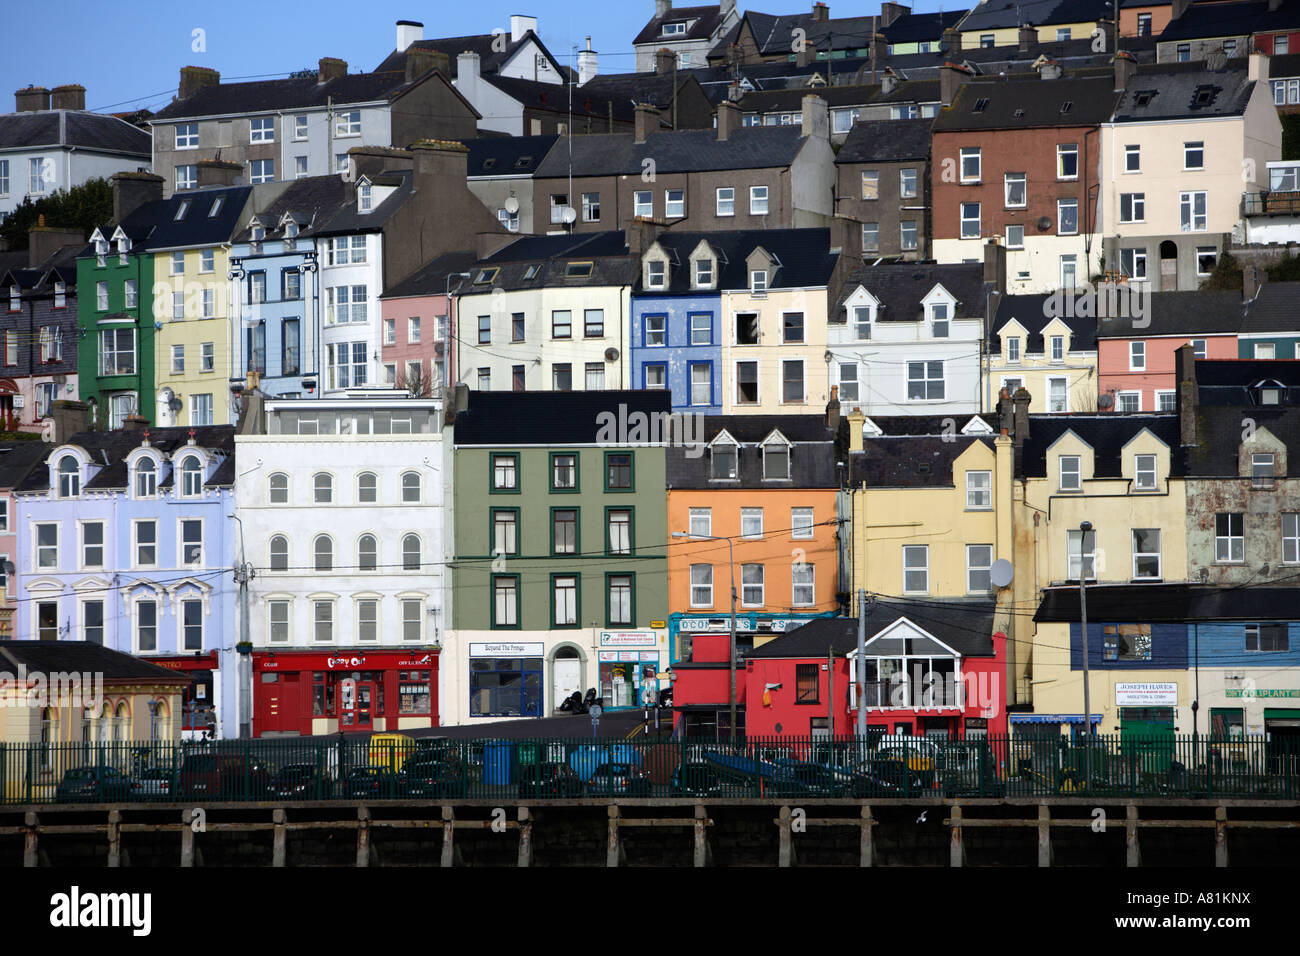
{"x": 769, "y": 483}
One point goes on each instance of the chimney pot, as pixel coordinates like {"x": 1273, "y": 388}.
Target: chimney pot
{"x": 71, "y": 96}
{"x": 408, "y": 32}
{"x": 820, "y": 12}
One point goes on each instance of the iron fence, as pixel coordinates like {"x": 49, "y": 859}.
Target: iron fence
{"x": 401, "y": 768}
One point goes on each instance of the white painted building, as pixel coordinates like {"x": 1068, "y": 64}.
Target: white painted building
{"x": 341, "y": 503}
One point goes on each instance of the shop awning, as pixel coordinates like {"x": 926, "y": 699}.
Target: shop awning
{"x": 1050, "y": 718}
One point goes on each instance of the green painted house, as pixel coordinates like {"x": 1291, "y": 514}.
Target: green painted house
{"x": 559, "y": 534}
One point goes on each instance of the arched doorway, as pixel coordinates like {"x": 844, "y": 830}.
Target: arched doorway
{"x": 1168, "y": 266}
{"x": 568, "y": 667}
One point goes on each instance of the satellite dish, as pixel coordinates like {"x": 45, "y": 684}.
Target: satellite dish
{"x": 175, "y": 404}
{"x": 1001, "y": 573}
{"x": 569, "y": 214}
{"x": 611, "y": 355}
{"x": 512, "y": 205}
{"x": 1105, "y": 401}
{"x": 1044, "y": 223}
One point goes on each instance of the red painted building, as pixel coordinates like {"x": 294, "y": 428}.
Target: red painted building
{"x": 300, "y": 693}
{"x": 934, "y": 668}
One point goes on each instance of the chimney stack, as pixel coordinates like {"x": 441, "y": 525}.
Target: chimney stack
{"x": 888, "y": 81}
{"x": 69, "y": 97}
{"x": 952, "y": 40}
{"x": 1050, "y": 70}
{"x": 1021, "y": 401}
{"x": 833, "y": 409}
{"x": 587, "y": 66}
{"x": 520, "y": 27}
{"x": 641, "y": 235}
{"x": 1178, "y": 8}
{"x": 1188, "y": 393}
{"x": 420, "y": 62}
{"x": 856, "y": 420}
{"x": 32, "y": 99}
{"x": 133, "y": 190}
{"x": 663, "y": 7}
{"x": 1250, "y": 282}
{"x": 1125, "y": 67}
{"x": 647, "y": 122}
{"x": 194, "y": 78}
{"x": 408, "y": 32}
{"x": 820, "y": 12}
{"x": 330, "y": 68}
{"x": 728, "y": 119}
{"x": 816, "y": 120}
{"x": 219, "y": 172}
{"x": 951, "y": 77}
{"x": 665, "y": 61}
{"x": 890, "y": 11}
{"x": 71, "y": 417}
{"x": 1028, "y": 37}
{"x": 43, "y": 241}
{"x": 995, "y": 265}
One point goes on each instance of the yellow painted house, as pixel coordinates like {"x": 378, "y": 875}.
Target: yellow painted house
{"x": 191, "y": 303}
{"x": 1053, "y": 356}
{"x": 1124, "y": 475}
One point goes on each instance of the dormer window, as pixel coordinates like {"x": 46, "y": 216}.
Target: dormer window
{"x": 146, "y": 478}
{"x": 758, "y": 281}
{"x": 704, "y": 273}
{"x": 1058, "y": 348}
{"x": 15, "y": 298}
{"x": 862, "y": 323}
{"x": 191, "y": 476}
{"x": 675, "y": 29}
{"x": 1013, "y": 349}
{"x": 776, "y": 458}
{"x": 656, "y": 274}
{"x": 939, "y": 320}
{"x": 69, "y": 477}
{"x": 1269, "y": 392}
{"x": 1261, "y": 470}
{"x": 723, "y": 452}
{"x": 291, "y": 230}
{"x": 365, "y": 197}
{"x": 101, "y": 252}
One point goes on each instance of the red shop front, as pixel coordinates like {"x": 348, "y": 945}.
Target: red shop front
{"x": 202, "y": 707}
{"x": 301, "y": 693}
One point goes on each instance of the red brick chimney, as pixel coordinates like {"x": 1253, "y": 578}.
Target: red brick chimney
{"x": 330, "y": 68}
{"x": 194, "y": 78}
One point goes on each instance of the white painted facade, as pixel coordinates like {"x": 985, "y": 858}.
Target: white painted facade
{"x": 1042, "y": 265}
{"x": 40, "y": 172}
{"x": 881, "y": 362}
{"x": 341, "y": 325}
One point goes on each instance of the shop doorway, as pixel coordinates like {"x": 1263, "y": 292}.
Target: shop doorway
{"x": 1149, "y": 733}
{"x": 1283, "y": 750}
{"x": 356, "y": 705}
{"x": 566, "y": 675}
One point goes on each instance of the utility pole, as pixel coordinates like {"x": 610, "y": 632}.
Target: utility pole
{"x": 1085, "y": 529}
{"x": 244, "y": 648}
{"x": 731, "y": 561}
{"x": 862, "y": 663}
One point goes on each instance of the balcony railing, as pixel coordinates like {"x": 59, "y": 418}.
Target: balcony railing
{"x": 1271, "y": 204}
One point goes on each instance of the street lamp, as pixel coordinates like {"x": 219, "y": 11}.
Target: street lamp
{"x": 731, "y": 562}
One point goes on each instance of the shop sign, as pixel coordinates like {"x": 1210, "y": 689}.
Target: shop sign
{"x": 425, "y": 660}
{"x": 628, "y": 638}
{"x": 507, "y": 649}
{"x": 1257, "y": 693}
{"x": 334, "y": 663}
{"x": 743, "y": 624}
{"x": 607, "y": 656}
{"x": 1146, "y": 695}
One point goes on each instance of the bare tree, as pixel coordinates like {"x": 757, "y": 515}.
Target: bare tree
{"x": 417, "y": 382}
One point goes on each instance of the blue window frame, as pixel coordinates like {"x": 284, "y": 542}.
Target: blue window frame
{"x": 701, "y": 328}
{"x": 654, "y": 331}
{"x": 654, "y": 375}
{"x": 505, "y": 686}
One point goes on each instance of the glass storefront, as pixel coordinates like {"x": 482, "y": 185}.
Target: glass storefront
{"x": 629, "y": 678}
{"x": 505, "y": 687}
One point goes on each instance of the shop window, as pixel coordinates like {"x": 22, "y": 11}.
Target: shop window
{"x": 1126, "y": 642}
{"x": 414, "y": 693}
{"x": 505, "y": 686}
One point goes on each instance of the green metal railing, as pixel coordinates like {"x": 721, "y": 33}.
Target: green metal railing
{"x": 358, "y": 768}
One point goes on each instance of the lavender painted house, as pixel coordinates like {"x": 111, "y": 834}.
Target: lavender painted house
{"x": 123, "y": 540}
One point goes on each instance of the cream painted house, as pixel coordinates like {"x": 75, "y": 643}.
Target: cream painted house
{"x": 1053, "y": 356}
{"x": 1177, "y": 156}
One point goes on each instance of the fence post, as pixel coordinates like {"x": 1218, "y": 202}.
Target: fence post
{"x": 31, "y": 854}
{"x": 1133, "y": 850}
{"x": 187, "y": 837}
{"x": 114, "y": 838}
{"x": 786, "y": 851}
{"x": 1044, "y": 835}
{"x": 701, "y": 837}
{"x": 448, "y": 837}
{"x": 525, "y": 838}
{"x": 1220, "y": 836}
{"x": 956, "y": 852}
{"x": 278, "y": 847}
{"x": 363, "y": 835}
{"x": 866, "y": 844}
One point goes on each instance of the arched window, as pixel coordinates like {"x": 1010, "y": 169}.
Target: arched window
{"x": 367, "y": 488}
{"x": 411, "y": 552}
{"x": 105, "y": 719}
{"x": 119, "y": 724}
{"x": 47, "y": 736}
{"x": 146, "y": 478}
{"x": 411, "y": 487}
{"x": 279, "y": 488}
{"x": 323, "y": 486}
{"x": 191, "y": 476}
{"x": 157, "y": 720}
{"x": 367, "y": 553}
{"x": 279, "y": 553}
{"x": 323, "y": 549}
{"x": 69, "y": 477}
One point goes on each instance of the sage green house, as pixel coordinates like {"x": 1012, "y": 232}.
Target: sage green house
{"x": 558, "y": 524}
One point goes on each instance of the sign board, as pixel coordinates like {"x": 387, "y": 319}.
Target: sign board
{"x": 658, "y": 624}
{"x": 743, "y": 624}
{"x": 1146, "y": 695}
{"x": 507, "y": 649}
{"x": 628, "y": 638}
{"x": 1260, "y": 693}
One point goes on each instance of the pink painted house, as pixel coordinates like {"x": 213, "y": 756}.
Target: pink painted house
{"x": 1135, "y": 362}
{"x": 417, "y": 314}
{"x": 17, "y": 459}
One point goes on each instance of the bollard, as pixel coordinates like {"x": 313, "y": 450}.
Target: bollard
{"x": 114, "y": 838}
{"x": 31, "y": 855}
{"x": 363, "y": 835}
{"x": 525, "y": 838}
{"x": 866, "y": 842}
{"x": 277, "y": 846}
{"x": 1134, "y": 852}
{"x": 1220, "y": 836}
{"x": 448, "y": 837}
{"x": 956, "y": 852}
{"x": 1044, "y": 835}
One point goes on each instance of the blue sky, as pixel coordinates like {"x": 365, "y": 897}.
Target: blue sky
{"x": 128, "y": 54}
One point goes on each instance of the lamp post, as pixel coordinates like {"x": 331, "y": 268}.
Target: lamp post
{"x": 1085, "y": 529}
{"x": 731, "y": 562}
{"x": 451, "y": 322}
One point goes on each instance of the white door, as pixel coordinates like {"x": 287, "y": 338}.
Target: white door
{"x": 568, "y": 675}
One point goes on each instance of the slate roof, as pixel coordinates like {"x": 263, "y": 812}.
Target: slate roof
{"x": 490, "y": 60}
{"x": 899, "y": 287}
{"x": 1212, "y": 20}
{"x": 886, "y": 141}
{"x": 790, "y": 99}
{"x": 683, "y": 151}
{"x": 1219, "y": 434}
{"x": 18, "y": 458}
{"x": 1170, "y": 603}
{"x": 812, "y": 459}
{"x": 554, "y": 98}
{"x": 116, "y": 445}
{"x": 1274, "y": 309}
{"x": 927, "y": 425}
{"x": 1024, "y": 101}
{"x": 965, "y": 626}
{"x": 1169, "y": 91}
{"x": 920, "y": 461}
{"x": 84, "y": 657}
{"x": 1009, "y": 14}
{"x": 1230, "y": 381}
{"x": 516, "y": 156}
{"x": 707, "y": 20}
{"x": 309, "y": 200}
{"x": 346, "y": 219}
{"x": 431, "y": 278}
{"x": 915, "y": 27}
{"x": 74, "y": 128}
{"x": 1031, "y": 311}
{"x": 656, "y": 89}
{"x": 1187, "y": 312}
{"x": 264, "y": 96}
{"x": 606, "y": 251}
{"x": 804, "y": 256}
{"x": 1105, "y": 433}
{"x": 510, "y": 419}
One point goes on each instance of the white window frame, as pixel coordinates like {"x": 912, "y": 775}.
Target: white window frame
{"x": 1137, "y": 356}
{"x": 1073, "y": 472}
{"x": 979, "y": 485}
{"x": 1147, "y": 554}
{"x": 910, "y": 554}
{"x": 972, "y": 566}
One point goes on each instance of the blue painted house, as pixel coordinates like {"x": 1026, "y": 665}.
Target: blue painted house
{"x": 124, "y": 540}
{"x": 1270, "y": 328}
{"x": 676, "y": 332}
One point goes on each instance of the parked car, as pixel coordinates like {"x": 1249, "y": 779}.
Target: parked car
{"x": 798, "y": 777}
{"x": 223, "y": 776}
{"x": 155, "y": 783}
{"x": 300, "y": 781}
{"x": 618, "y": 780}
{"x": 548, "y": 779}
{"x": 431, "y": 775}
{"x": 98, "y": 784}
{"x": 368, "y": 782}
{"x": 698, "y": 779}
